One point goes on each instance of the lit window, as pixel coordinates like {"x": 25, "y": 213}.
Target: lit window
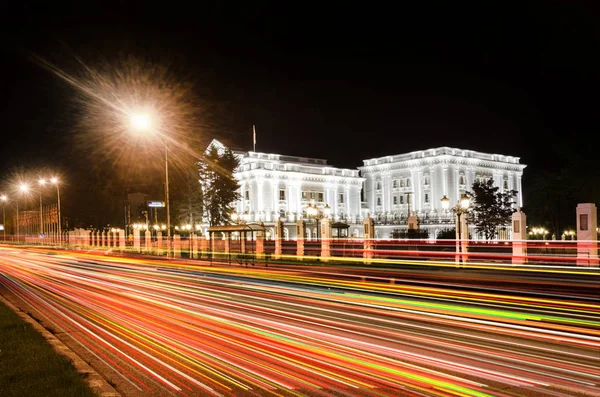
{"x": 395, "y": 200}
{"x": 281, "y": 194}
{"x": 341, "y": 198}
{"x": 320, "y": 197}
{"x": 402, "y": 183}
{"x": 247, "y": 194}
{"x": 378, "y": 185}
{"x": 506, "y": 185}
{"x": 401, "y": 199}
{"x": 395, "y": 183}
{"x": 304, "y": 195}
{"x": 426, "y": 197}
{"x": 426, "y": 181}
{"x": 461, "y": 180}
{"x": 378, "y": 200}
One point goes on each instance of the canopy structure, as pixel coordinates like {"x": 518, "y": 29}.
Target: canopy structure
{"x": 243, "y": 242}
{"x": 340, "y": 229}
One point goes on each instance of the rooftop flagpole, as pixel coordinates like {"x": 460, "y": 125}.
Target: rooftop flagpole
{"x": 254, "y": 136}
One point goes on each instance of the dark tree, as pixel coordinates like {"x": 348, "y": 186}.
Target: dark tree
{"x": 447, "y": 234}
{"x": 219, "y": 187}
{"x": 490, "y": 208}
{"x": 421, "y": 234}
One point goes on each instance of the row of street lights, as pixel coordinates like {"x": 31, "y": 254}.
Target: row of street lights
{"x": 24, "y": 188}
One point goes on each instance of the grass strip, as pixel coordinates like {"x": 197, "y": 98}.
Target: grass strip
{"x": 29, "y": 366}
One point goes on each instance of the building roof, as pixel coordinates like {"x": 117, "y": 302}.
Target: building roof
{"x": 442, "y": 151}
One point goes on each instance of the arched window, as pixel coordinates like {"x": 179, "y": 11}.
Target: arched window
{"x": 461, "y": 179}
{"x": 282, "y": 213}
{"x": 286, "y": 234}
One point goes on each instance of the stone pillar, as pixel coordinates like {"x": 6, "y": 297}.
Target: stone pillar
{"x": 463, "y": 239}
{"x": 587, "y": 235}
{"x": 519, "y": 237}
{"x": 176, "y": 246}
{"x": 147, "y": 242}
{"x": 260, "y": 244}
{"x": 203, "y": 247}
{"x": 136, "y": 240}
{"x": 104, "y": 239}
{"x": 159, "y": 243}
{"x": 122, "y": 245}
{"x": 278, "y": 239}
{"x": 413, "y": 222}
{"x": 300, "y": 238}
{"x": 369, "y": 233}
{"x": 326, "y": 235}
{"x": 194, "y": 253}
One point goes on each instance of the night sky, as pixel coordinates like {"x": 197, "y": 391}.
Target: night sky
{"x": 333, "y": 82}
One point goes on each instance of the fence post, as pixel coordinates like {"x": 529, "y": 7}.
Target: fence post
{"x": 300, "y": 238}
{"x": 519, "y": 235}
{"x": 369, "y": 233}
{"x": 587, "y": 235}
{"x": 278, "y": 238}
{"x": 325, "y": 239}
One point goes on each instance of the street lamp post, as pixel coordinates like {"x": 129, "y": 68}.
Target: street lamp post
{"x": 142, "y": 122}
{"x": 459, "y": 209}
{"x": 3, "y": 198}
{"x": 55, "y": 182}
{"x": 313, "y": 213}
{"x": 42, "y": 184}
{"x": 22, "y": 188}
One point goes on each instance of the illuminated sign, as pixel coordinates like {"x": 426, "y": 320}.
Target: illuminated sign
{"x": 156, "y": 204}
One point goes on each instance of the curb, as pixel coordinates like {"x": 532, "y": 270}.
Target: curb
{"x": 96, "y": 382}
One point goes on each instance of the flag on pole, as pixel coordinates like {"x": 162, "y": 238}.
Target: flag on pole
{"x": 254, "y": 136}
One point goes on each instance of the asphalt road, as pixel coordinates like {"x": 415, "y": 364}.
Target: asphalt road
{"x": 159, "y": 328}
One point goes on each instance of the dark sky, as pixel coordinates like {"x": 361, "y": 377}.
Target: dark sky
{"x": 334, "y": 82}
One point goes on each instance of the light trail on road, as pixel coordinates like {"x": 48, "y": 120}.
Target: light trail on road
{"x": 166, "y": 328}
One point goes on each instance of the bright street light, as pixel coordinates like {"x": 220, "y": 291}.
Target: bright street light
{"x": 465, "y": 201}
{"x": 140, "y": 122}
{"x": 23, "y": 188}
{"x": 445, "y": 202}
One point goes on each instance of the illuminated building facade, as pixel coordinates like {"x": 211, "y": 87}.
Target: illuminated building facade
{"x": 415, "y": 182}
{"x": 276, "y": 186}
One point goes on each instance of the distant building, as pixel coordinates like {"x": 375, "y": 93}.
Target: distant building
{"x": 279, "y": 186}
{"x": 420, "y": 179}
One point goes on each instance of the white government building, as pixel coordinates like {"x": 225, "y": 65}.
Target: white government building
{"x": 415, "y": 182}
{"x": 279, "y": 186}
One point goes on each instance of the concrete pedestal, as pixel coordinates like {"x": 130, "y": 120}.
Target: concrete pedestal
{"x": 122, "y": 245}
{"x": 326, "y": 235}
{"x": 587, "y": 235}
{"x": 260, "y": 244}
{"x": 176, "y": 246}
{"x": 369, "y": 233}
{"x": 519, "y": 236}
{"x": 278, "y": 239}
{"x": 300, "y": 239}
{"x": 136, "y": 240}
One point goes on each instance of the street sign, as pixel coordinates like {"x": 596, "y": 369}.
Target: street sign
{"x": 156, "y": 204}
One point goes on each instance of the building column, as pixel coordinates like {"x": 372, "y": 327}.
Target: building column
{"x": 519, "y": 190}
{"x": 432, "y": 190}
{"x": 419, "y": 190}
{"x": 347, "y": 200}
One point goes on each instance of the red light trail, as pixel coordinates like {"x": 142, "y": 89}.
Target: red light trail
{"x": 160, "y": 328}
